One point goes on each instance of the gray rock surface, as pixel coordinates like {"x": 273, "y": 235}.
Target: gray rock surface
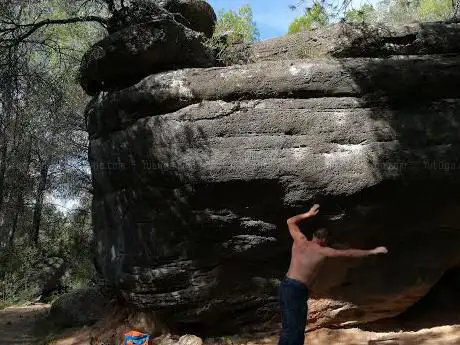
{"x": 187, "y": 184}
{"x": 195, "y": 171}
{"x": 190, "y": 339}
{"x": 348, "y": 40}
{"x": 79, "y": 307}
{"x": 128, "y": 55}
{"x": 198, "y": 15}
{"x": 375, "y": 81}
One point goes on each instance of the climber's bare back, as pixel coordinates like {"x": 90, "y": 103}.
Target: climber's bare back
{"x": 306, "y": 259}
{"x": 308, "y": 256}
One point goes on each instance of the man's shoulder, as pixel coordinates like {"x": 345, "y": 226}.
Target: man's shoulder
{"x": 312, "y": 246}
{"x": 316, "y": 248}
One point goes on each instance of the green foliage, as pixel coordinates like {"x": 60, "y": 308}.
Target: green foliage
{"x": 391, "y": 12}
{"x": 431, "y": 10}
{"x": 16, "y": 263}
{"x": 240, "y": 26}
{"x": 314, "y": 16}
{"x": 42, "y": 125}
{"x": 233, "y": 29}
{"x": 365, "y": 14}
{"x": 68, "y": 237}
{"x": 403, "y": 11}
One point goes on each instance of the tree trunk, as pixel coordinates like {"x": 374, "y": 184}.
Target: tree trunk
{"x": 9, "y": 82}
{"x": 8, "y": 109}
{"x": 3, "y": 154}
{"x": 39, "y": 201}
{"x": 19, "y": 210}
{"x": 20, "y": 195}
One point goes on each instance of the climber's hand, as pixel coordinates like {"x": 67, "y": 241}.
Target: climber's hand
{"x": 313, "y": 210}
{"x": 380, "y": 250}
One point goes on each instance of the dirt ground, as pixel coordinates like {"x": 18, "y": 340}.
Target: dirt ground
{"x": 18, "y": 324}
{"x": 22, "y": 325}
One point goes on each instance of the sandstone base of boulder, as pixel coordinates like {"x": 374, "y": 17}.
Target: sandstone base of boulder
{"x": 428, "y": 324}
{"x": 17, "y": 326}
{"x": 445, "y": 335}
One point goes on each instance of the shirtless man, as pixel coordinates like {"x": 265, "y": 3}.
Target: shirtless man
{"x": 306, "y": 258}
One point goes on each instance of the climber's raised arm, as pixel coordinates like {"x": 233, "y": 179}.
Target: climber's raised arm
{"x": 293, "y": 223}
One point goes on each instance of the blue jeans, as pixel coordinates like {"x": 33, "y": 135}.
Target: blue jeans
{"x": 293, "y": 303}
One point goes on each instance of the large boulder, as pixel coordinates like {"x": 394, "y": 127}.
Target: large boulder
{"x": 79, "y": 307}
{"x": 128, "y": 55}
{"x": 195, "y": 171}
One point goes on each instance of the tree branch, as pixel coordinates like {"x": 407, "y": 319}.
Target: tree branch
{"x": 35, "y": 26}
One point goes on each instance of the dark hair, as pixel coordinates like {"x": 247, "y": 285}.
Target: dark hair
{"x": 321, "y": 234}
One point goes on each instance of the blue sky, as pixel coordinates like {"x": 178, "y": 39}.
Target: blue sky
{"x": 272, "y": 16}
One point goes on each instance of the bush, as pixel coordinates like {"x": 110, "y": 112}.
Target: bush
{"x": 430, "y": 10}
{"x": 233, "y": 29}
{"x": 314, "y": 16}
{"x": 62, "y": 262}
{"x": 15, "y": 266}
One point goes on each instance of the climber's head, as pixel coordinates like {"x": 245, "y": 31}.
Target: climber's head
{"x": 320, "y": 236}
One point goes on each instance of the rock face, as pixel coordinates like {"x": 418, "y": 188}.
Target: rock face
{"x": 195, "y": 171}
{"x": 198, "y": 15}
{"x": 144, "y": 40}
{"x": 128, "y": 55}
{"x": 346, "y": 40}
